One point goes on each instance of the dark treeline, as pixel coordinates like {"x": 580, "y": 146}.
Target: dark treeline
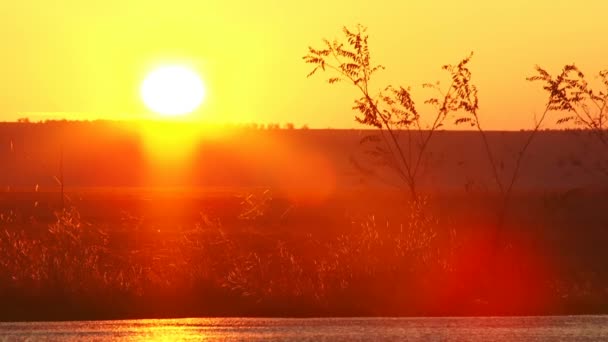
{"x": 115, "y": 154}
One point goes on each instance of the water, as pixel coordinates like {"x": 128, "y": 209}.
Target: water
{"x": 567, "y": 328}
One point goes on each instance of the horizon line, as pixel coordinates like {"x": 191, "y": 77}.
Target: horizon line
{"x": 285, "y": 126}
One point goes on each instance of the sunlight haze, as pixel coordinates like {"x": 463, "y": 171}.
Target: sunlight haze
{"x": 304, "y": 170}
{"x": 90, "y": 58}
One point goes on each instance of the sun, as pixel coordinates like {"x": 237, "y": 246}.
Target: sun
{"x": 173, "y": 90}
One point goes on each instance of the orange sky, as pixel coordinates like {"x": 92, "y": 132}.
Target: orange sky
{"x": 87, "y": 58}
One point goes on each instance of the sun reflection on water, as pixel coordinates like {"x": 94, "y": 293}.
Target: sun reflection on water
{"x": 160, "y": 330}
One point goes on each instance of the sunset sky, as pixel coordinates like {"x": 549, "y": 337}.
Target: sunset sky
{"x": 87, "y": 59}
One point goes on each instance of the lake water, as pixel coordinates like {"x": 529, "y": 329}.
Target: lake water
{"x": 566, "y": 328}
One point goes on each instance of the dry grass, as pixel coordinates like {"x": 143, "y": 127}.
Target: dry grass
{"x": 412, "y": 261}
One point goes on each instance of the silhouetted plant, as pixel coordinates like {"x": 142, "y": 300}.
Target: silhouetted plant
{"x": 570, "y": 94}
{"x": 393, "y": 110}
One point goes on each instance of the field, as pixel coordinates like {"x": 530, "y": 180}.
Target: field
{"x": 253, "y": 227}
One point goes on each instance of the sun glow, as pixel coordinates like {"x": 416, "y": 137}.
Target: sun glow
{"x": 173, "y": 90}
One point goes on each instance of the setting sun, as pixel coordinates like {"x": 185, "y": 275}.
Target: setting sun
{"x": 173, "y": 90}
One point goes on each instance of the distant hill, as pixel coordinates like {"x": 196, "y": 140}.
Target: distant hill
{"x": 120, "y": 154}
